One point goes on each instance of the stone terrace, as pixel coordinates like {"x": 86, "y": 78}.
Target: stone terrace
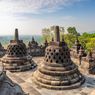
{"x": 24, "y": 79}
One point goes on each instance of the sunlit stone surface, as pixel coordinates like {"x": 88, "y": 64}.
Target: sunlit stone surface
{"x": 16, "y": 58}
{"x": 58, "y": 71}
{"x": 7, "y": 87}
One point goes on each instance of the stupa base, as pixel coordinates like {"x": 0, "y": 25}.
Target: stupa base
{"x": 19, "y": 68}
{"x": 72, "y": 86}
{"x": 57, "y": 82}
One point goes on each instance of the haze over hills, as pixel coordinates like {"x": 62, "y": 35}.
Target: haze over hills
{"x": 91, "y": 31}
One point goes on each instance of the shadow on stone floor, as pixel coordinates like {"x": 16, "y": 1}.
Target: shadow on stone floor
{"x": 89, "y": 81}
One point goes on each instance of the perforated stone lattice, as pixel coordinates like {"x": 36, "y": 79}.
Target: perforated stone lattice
{"x": 57, "y": 55}
{"x": 16, "y": 50}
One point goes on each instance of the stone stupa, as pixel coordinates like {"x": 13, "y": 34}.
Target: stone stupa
{"x": 58, "y": 71}
{"x": 2, "y": 50}
{"x": 7, "y": 86}
{"x": 34, "y": 49}
{"x": 91, "y": 61}
{"x": 16, "y": 58}
{"x": 76, "y": 46}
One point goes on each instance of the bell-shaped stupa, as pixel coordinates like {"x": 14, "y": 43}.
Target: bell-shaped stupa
{"x": 58, "y": 70}
{"x": 76, "y": 46}
{"x": 16, "y": 58}
{"x": 34, "y": 49}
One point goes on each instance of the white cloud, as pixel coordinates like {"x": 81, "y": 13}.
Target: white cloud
{"x": 33, "y": 6}
{"x": 65, "y": 18}
{"x": 34, "y": 25}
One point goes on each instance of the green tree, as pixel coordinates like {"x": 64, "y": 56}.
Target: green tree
{"x": 73, "y": 31}
{"x": 87, "y": 40}
{"x": 70, "y": 39}
{"x": 90, "y": 45}
{"x": 48, "y": 33}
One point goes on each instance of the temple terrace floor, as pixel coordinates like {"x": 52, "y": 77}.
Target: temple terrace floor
{"x": 24, "y": 79}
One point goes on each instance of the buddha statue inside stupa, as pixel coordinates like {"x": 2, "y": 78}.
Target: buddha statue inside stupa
{"x": 16, "y": 58}
{"x": 58, "y": 70}
{"x": 7, "y": 86}
{"x": 34, "y": 49}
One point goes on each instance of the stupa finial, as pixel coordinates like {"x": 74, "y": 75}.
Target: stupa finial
{"x": 52, "y": 39}
{"x": 16, "y": 35}
{"x": 57, "y": 34}
{"x": 33, "y": 39}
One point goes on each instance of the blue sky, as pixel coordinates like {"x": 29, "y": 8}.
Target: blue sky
{"x": 30, "y": 16}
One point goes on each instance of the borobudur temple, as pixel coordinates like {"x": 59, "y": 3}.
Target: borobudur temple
{"x": 58, "y": 70}
{"x": 16, "y": 58}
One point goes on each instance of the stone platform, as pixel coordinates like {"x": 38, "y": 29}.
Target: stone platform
{"x": 24, "y": 80}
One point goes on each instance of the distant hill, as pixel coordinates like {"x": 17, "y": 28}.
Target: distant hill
{"x": 91, "y": 32}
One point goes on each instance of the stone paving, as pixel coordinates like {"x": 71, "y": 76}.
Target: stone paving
{"x": 24, "y": 79}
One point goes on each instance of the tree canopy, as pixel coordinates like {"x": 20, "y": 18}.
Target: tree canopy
{"x": 87, "y": 40}
{"x": 73, "y": 31}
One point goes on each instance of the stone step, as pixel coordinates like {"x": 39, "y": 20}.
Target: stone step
{"x": 59, "y": 68}
{"x": 20, "y": 68}
{"x": 58, "y": 82}
{"x": 55, "y": 73}
{"x": 57, "y": 65}
{"x": 56, "y": 78}
{"x": 73, "y": 86}
{"x": 48, "y": 77}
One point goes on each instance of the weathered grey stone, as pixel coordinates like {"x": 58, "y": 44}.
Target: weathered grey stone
{"x": 2, "y": 50}
{"x": 58, "y": 71}
{"x": 7, "y": 86}
{"x": 35, "y": 50}
{"x": 16, "y": 58}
